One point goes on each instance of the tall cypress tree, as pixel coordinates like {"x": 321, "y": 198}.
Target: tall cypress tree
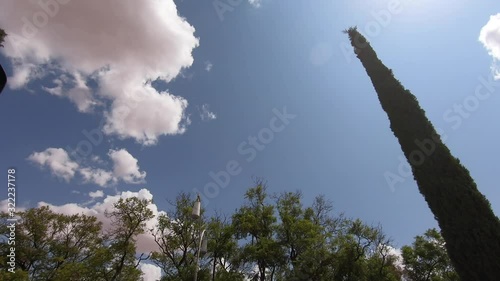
{"x": 468, "y": 225}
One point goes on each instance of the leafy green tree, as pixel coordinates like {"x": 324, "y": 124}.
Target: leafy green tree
{"x": 426, "y": 259}
{"x": 177, "y": 241}
{"x": 58, "y": 247}
{"x": 284, "y": 241}
{"x": 353, "y": 245}
{"x": 313, "y": 244}
{"x": 17, "y": 275}
{"x": 382, "y": 264}
{"x": 129, "y": 218}
{"x": 302, "y": 233}
{"x": 49, "y": 244}
{"x": 177, "y": 238}
{"x": 469, "y": 226}
{"x": 294, "y": 232}
{"x": 382, "y": 261}
{"x": 317, "y": 262}
{"x": 362, "y": 253}
{"x": 255, "y": 221}
{"x": 224, "y": 250}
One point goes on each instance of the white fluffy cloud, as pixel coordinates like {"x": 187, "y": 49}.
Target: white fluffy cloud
{"x": 125, "y": 167}
{"x": 121, "y": 45}
{"x": 208, "y": 66}
{"x": 255, "y": 3}
{"x": 398, "y": 254}
{"x": 145, "y": 242}
{"x": 58, "y": 161}
{"x": 206, "y": 114}
{"x": 490, "y": 38}
{"x": 98, "y": 176}
{"x": 151, "y": 272}
{"x": 146, "y": 115}
{"x": 96, "y": 194}
{"x": 4, "y": 206}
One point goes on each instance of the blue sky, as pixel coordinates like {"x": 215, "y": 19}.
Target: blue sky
{"x": 227, "y": 75}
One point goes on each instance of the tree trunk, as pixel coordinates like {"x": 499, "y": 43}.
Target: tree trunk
{"x": 468, "y": 225}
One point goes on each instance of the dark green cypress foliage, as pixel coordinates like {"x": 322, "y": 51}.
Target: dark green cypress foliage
{"x": 2, "y": 36}
{"x": 468, "y": 225}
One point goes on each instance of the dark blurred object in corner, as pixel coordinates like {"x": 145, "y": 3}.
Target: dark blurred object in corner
{"x": 3, "y": 79}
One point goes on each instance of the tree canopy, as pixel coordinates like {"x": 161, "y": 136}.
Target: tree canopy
{"x": 53, "y": 246}
{"x": 269, "y": 237}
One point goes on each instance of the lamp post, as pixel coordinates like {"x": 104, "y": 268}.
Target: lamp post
{"x": 202, "y": 244}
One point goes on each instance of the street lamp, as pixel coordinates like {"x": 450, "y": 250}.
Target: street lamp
{"x": 202, "y": 244}
{"x": 197, "y": 208}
